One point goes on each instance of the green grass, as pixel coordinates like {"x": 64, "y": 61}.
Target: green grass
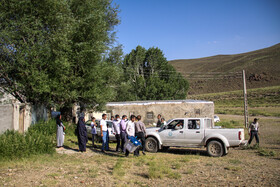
{"x": 189, "y": 172}
{"x": 234, "y": 161}
{"x": 39, "y": 139}
{"x": 233, "y": 168}
{"x": 265, "y": 152}
{"x": 259, "y": 97}
{"x": 230, "y": 124}
{"x": 261, "y": 101}
{"x": 118, "y": 169}
{"x": 159, "y": 170}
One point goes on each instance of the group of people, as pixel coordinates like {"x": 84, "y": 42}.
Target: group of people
{"x": 161, "y": 121}
{"x": 122, "y": 129}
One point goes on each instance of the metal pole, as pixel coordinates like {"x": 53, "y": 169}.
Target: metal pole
{"x": 245, "y": 100}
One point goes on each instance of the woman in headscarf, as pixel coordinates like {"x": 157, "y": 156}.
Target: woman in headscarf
{"x": 59, "y": 132}
{"x": 82, "y": 134}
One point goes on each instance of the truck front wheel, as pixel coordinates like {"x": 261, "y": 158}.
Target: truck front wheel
{"x": 215, "y": 149}
{"x": 151, "y": 145}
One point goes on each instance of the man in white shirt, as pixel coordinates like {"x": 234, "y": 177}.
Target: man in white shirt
{"x": 117, "y": 131}
{"x": 104, "y": 133}
{"x": 254, "y": 131}
{"x": 123, "y": 132}
{"x": 130, "y": 130}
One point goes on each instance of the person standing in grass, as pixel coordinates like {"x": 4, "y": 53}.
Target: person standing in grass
{"x": 254, "y": 131}
{"x": 82, "y": 134}
{"x": 59, "y": 132}
{"x": 123, "y": 132}
{"x": 130, "y": 130}
{"x": 117, "y": 131}
{"x": 93, "y": 129}
{"x": 140, "y": 132}
{"x": 104, "y": 133}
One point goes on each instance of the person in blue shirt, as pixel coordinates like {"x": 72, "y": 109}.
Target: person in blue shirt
{"x": 93, "y": 129}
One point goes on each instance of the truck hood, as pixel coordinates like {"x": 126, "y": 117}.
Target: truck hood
{"x": 152, "y": 129}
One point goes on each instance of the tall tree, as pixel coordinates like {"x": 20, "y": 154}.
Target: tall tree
{"x": 50, "y": 51}
{"x": 148, "y": 76}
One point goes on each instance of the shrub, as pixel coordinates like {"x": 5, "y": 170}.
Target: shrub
{"x": 39, "y": 139}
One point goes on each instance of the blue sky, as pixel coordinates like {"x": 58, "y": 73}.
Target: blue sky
{"x": 186, "y": 29}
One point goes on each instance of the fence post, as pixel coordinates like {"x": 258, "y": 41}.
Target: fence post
{"x": 245, "y": 100}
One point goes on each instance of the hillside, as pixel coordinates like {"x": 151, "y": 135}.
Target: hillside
{"x": 223, "y": 72}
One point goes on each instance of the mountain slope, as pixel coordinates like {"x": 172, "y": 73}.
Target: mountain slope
{"x": 215, "y": 73}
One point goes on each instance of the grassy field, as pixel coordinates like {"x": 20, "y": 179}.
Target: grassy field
{"x": 177, "y": 166}
{"x": 261, "y": 101}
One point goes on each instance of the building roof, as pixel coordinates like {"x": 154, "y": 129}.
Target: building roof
{"x": 153, "y": 102}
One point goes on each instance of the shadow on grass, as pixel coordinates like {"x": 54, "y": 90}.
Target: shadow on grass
{"x": 70, "y": 148}
{"x": 184, "y": 151}
{"x": 142, "y": 175}
{"x": 97, "y": 150}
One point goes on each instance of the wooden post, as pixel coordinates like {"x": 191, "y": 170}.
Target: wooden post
{"x": 245, "y": 100}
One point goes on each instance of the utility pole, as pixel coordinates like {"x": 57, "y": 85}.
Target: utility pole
{"x": 245, "y": 100}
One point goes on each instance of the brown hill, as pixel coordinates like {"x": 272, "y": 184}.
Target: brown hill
{"x": 223, "y": 72}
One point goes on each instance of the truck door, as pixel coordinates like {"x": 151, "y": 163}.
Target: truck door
{"x": 173, "y": 133}
{"x": 194, "y": 132}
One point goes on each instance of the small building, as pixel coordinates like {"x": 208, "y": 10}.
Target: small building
{"x": 18, "y": 116}
{"x": 167, "y": 108}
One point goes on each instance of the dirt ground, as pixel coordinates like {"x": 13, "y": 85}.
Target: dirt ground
{"x": 184, "y": 167}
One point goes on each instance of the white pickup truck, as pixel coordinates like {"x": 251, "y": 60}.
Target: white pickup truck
{"x": 194, "y": 133}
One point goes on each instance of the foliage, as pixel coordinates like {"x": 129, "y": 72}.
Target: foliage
{"x": 148, "y": 76}
{"x": 51, "y": 51}
{"x": 39, "y": 139}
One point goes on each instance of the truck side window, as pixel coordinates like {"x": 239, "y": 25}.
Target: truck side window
{"x": 194, "y": 124}
{"x": 176, "y": 124}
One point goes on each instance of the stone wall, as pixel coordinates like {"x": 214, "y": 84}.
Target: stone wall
{"x": 6, "y": 117}
{"x": 18, "y": 116}
{"x": 168, "y": 109}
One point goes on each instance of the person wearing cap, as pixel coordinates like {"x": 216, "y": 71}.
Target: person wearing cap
{"x": 254, "y": 131}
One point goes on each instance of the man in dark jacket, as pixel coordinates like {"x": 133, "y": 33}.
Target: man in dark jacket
{"x": 82, "y": 134}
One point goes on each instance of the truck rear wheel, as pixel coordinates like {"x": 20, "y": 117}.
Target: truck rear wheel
{"x": 151, "y": 145}
{"x": 215, "y": 149}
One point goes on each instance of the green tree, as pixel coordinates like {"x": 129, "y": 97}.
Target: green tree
{"x": 148, "y": 76}
{"x": 51, "y": 51}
